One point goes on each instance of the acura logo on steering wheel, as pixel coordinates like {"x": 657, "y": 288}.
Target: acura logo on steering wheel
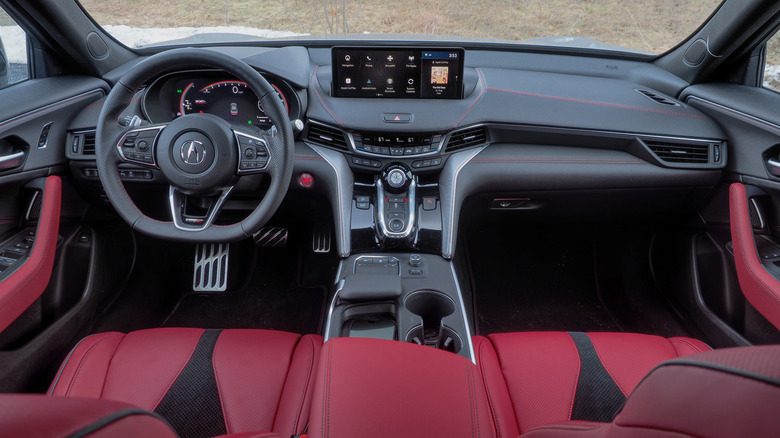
{"x": 193, "y": 152}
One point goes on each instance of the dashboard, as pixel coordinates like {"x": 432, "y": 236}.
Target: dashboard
{"x": 537, "y": 136}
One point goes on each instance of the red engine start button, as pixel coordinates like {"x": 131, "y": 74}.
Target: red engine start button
{"x": 306, "y": 180}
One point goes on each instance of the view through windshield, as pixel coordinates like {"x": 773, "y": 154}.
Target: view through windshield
{"x": 650, "y": 26}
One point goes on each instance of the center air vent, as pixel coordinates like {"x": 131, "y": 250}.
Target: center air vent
{"x": 681, "y": 153}
{"x": 466, "y": 138}
{"x": 327, "y": 136}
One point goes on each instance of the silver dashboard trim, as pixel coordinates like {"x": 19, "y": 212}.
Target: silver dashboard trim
{"x": 339, "y": 286}
{"x": 341, "y": 168}
{"x": 463, "y": 313}
{"x": 448, "y": 182}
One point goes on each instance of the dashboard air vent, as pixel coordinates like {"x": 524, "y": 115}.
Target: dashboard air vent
{"x": 327, "y": 136}
{"x": 466, "y": 139}
{"x": 89, "y": 144}
{"x": 680, "y": 153}
{"x": 657, "y": 98}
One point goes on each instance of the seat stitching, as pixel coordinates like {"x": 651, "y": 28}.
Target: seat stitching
{"x": 176, "y": 377}
{"x": 306, "y": 385}
{"x": 576, "y": 381}
{"x": 81, "y": 364}
{"x": 487, "y": 387}
{"x": 476, "y": 400}
{"x": 685, "y": 342}
{"x": 471, "y": 399}
{"x": 219, "y": 386}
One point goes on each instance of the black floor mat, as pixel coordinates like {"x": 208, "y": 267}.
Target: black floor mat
{"x": 268, "y": 288}
{"x": 536, "y": 281}
{"x": 294, "y": 310}
{"x": 551, "y": 277}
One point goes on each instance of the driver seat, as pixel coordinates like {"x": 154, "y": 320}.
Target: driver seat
{"x": 203, "y": 382}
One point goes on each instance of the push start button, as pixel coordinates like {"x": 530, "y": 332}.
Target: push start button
{"x": 306, "y": 180}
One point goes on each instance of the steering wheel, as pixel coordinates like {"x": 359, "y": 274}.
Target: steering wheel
{"x": 200, "y": 155}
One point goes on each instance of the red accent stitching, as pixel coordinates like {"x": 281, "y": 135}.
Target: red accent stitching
{"x": 577, "y": 380}
{"x": 219, "y": 385}
{"x": 592, "y": 102}
{"x": 487, "y": 387}
{"x": 81, "y": 364}
{"x": 685, "y": 342}
{"x": 481, "y": 93}
{"x": 297, "y": 420}
{"x": 314, "y": 85}
{"x": 48, "y": 107}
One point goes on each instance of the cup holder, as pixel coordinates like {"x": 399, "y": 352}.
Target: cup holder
{"x": 432, "y": 307}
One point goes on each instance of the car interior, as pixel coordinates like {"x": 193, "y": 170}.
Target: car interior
{"x": 388, "y": 235}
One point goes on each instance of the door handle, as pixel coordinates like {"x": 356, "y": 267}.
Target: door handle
{"x": 773, "y": 166}
{"x": 12, "y": 160}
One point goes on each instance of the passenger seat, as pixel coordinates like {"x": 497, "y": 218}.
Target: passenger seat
{"x": 534, "y": 379}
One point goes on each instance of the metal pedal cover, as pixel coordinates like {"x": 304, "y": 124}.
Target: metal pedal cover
{"x": 211, "y": 267}
{"x": 321, "y": 238}
{"x": 274, "y": 237}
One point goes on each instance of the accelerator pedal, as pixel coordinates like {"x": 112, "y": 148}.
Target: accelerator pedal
{"x": 211, "y": 267}
{"x": 274, "y": 237}
{"x": 321, "y": 238}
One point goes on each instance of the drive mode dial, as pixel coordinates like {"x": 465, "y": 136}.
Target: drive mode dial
{"x": 396, "y": 178}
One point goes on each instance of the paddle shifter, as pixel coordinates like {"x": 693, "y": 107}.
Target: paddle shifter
{"x": 395, "y": 195}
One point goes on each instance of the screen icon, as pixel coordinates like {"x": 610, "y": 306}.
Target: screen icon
{"x": 411, "y": 81}
{"x": 411, "y": 59}
{"x": 389, "y": 58}
{"x": 389, "y": 81}
{"x": 348, "y": 81}
{"x": 347, "y": 58}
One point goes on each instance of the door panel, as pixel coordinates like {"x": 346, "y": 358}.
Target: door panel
{"x": 750, "y": 118}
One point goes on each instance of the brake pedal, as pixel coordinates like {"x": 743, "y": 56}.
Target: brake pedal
{"x": 321, "y": 238}
{"x": 274, "y": 237}
{"x": 211, "y": 267}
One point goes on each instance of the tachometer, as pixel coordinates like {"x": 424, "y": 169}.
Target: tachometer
{"x": 233, "y": 101}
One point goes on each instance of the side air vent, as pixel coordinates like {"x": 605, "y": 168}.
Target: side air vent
{"x": 680, "y": 153}
{"x": 467, "y": 138}
{"x": 657, "y": 98}
{"x": 327, "y": 136}
{"x": 89, "y": 144}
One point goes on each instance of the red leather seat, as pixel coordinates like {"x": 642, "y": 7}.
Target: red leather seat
{"x": 539, "y": 378}
{"x": 718, "y": 394}
{"x": 203, "y": 382}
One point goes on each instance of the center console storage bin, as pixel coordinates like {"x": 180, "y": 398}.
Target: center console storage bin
{"x": 379, "y": 388}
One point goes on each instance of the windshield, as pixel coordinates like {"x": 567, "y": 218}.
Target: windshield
{"x": 648, "y": 26}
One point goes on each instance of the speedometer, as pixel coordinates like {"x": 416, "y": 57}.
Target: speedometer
{"x": 233, "y": 101}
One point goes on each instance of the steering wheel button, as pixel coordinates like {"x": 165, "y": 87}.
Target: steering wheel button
{"x": 249, "y": 153}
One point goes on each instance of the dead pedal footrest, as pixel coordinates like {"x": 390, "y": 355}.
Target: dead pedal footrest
{"x": 211, "y": 267}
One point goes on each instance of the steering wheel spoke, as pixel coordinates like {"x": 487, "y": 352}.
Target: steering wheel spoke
{"x": 188, "y": 216}
{"x": 139, "y": 145}
{"x": 254, "y": 153}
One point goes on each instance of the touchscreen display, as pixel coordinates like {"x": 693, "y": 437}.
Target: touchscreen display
{"x": 398, "y": 73}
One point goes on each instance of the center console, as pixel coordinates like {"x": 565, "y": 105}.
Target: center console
{"x": 407, "y": 297}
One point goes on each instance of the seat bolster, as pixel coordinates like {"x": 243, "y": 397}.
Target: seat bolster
{"x": 292, "y": 416}
{"x": 28, "y": 415}
{"x": 84, "y": 371}
{"x": 724, "y": 393}
{"x": 496, "y": 388}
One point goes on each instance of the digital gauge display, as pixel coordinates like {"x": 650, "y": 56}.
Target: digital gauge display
{"x": 232, "y": 100}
